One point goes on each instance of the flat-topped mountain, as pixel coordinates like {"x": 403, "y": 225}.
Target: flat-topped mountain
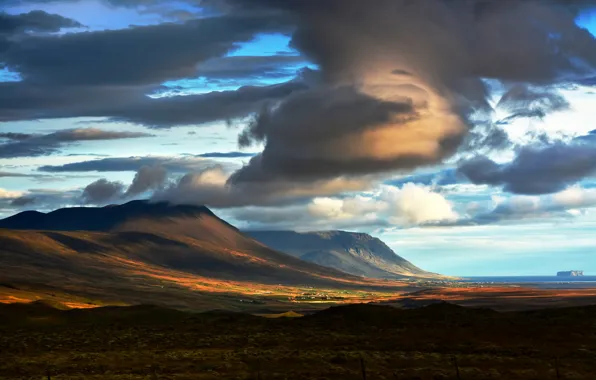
{"x": 570, "y": 273}
{"x": 142, "y": 251}
{"x": 355, "y": 253}
{"x": 99, "y": 218}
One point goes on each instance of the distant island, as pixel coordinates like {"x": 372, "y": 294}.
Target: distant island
{"x": 570, "y": 273}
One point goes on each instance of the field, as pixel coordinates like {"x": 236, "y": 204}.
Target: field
{"x": 145, "y": 342}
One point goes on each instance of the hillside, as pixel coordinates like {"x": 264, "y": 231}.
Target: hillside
{"x": 355, "y": 253}
{"x": 149, "y": 252}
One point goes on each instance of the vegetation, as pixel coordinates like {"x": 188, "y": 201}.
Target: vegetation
{"x": 145, "y": 342}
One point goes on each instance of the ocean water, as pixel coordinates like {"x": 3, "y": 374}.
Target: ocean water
{"x": 531, "y": 279}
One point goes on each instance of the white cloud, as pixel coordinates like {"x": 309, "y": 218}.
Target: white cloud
{"x": 386, "y": 206}
{"x": 8, "y": 194}
{"x": 417, "y": 204}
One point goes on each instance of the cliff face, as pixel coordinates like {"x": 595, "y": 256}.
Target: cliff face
{"x": 570, "y": 273}
{"x": 354, "y": 253}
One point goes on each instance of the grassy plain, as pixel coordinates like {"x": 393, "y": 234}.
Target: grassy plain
{"x": 145, "y": 342}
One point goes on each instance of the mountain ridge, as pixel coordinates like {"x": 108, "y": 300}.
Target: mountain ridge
{"x": 355, "y": 253}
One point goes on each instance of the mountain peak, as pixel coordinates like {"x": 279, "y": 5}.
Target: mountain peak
{"x": 100, "y": 218}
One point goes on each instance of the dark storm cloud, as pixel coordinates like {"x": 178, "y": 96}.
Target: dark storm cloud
{"x": 102, "y": 191}
{"x": 196, "y": 109}
{"x": 22, "y": 101}
{"x": 110, "y": 73}
{"x": 30, "y": 145}
{"x": 401, "y": 84}
{"x": 139, "y": 55}
{"x": 448, "y": 48}
{"x": 119, "y": 164}
{"x": 272, "y": 67}
{"x": 296, "y": 125}
{"x": 34, "y": 21}
{"x": 536, "y": 170}
{"x": 209, "y": 187}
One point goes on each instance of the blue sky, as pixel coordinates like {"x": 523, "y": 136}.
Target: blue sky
{"x": 433, "y": 224}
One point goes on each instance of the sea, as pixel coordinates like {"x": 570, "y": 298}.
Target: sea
{"x": 552, "y": 282}
{"x": 532, "y": 279}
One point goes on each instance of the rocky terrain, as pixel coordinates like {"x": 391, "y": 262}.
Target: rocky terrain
{"x": 355, "y": 253}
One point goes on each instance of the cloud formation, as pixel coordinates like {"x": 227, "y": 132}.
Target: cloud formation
{"x": 536, "y": 170}
{"x": 102, "y": 191}
{"x": 386, "y": 206}
{"x": 34, "y": 21}
{"x": 29, "y": 145}
{"x": 568, "y": 203}
{"x": 226, "y": 154}
{"x": 211, "y": 187}
{"x": 147, "y": 178}
{"x": 403, "y": 83}
{"x": 122, "y": 57}
{"x": 134, "y": 163}
{"x": 251, "y": 67}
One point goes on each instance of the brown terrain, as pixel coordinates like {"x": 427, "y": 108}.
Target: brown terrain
{"x": 178, "y": 256}
{"x": 76, "y": 286}
{"x": 187, "y": 258}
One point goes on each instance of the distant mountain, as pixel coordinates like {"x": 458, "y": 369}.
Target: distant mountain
{"x": 139, "y": 248}
{"x": 570, "y": 273}
{"x": 355, "y": 253}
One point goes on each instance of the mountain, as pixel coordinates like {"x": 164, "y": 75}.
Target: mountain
{"x": 355, "y": 253}
{"x": 144, "y": 251}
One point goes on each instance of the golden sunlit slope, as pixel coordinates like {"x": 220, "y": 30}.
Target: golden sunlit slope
{"x": 142, "y": 252}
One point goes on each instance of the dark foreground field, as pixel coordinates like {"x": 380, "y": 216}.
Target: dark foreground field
{"x": 144, "y": 342}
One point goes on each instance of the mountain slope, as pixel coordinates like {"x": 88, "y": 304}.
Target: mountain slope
{"x": 140, "y": 252}
{"x": 355, "y": 253}
{"x": 180, "y": 237}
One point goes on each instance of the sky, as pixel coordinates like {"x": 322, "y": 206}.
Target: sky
{"x": 461, "y": 133}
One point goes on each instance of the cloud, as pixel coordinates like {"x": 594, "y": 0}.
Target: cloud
{"x": 9, "y": 194}
{"x": 211, "y": 187}
{"x": 226, "y": 154}
{"x": 27, "y": 145}
{"x": 13, "y": 174}
{"x": 184, "y": 110}
{"x": 139, "y": 55}
{"x": 536, "y": 170}
{"x": 25, "y": 101}
{"x": 385, "y": 206}
{"x": 336, "y": 131}
{"x": 109, "y": 73}
{"x": 147, "y": 178}
{"x": 251, "y": 67}
{"x": 23, "y": 201}
{"x": 135, "y": 163}
{"x": 436, "y": 178}
{"x": 525, "y": 101}
{"x": 565, "y": 204}
{"x": 417, "y": 205}
{"x": 102, "y": 191}
{"x": 40, "y": 199}
{"x": 34, "y": 21}
{"x": 363, "y": 118}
